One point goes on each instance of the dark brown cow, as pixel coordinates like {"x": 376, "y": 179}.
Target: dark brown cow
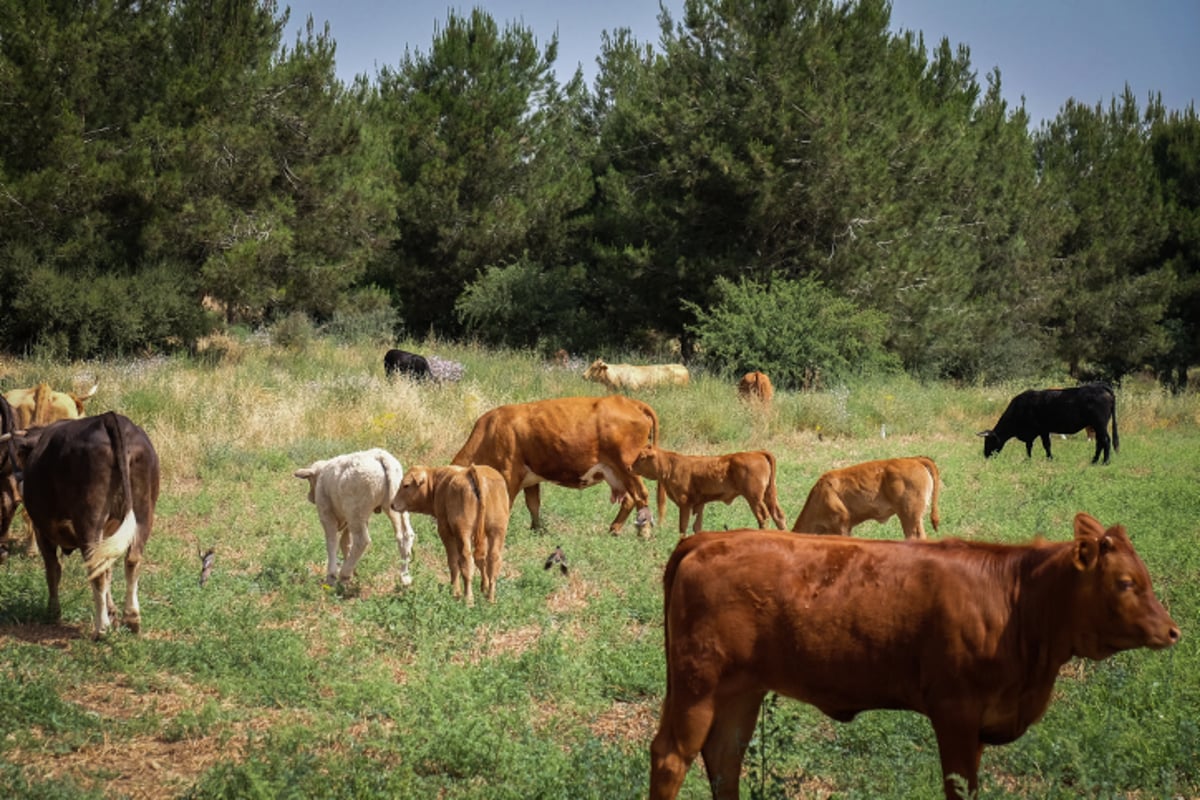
{"x": 693, "y": 481}
{"x": 756, "y": 386}
{"x": 91, "y": 484}
{"x": 10, "y": 495}
{"x": 968, "y": 634}
{"x": 843, "y": 498}
{"x": 471, "y": 507}
{"x": 575, "y": 442}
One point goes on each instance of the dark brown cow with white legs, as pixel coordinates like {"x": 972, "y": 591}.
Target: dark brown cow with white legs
{"x": 968, "y": 634}
{"x": 91, "y": 484}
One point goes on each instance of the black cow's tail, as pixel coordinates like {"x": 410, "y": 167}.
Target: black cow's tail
{"x": 1116, "y": 440}
{"x": 109, "y": 550}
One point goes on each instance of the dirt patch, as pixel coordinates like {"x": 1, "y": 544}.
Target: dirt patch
{"x": 57, "y": 635}
{"x": 492, "y": 644}
{"x": 627, "y": 723}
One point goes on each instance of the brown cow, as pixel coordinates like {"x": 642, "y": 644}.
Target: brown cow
{"x": 842, "y": 498}
{"x": 10, "y": 493}
{"x": 693, "y": 481}
{"x": 572, "y": 441}
{"x": 41, "y": 405}
{"x": 628, "y": 376}
{"x": 756, "y": 386}
{"x": 91, "y": 484}
{"x": 471, "y": 507}
{"x": 968, "y": 634}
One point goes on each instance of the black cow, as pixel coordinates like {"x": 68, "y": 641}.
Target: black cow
{"x": 90, "y": 484}
{"x": 407, "y": 363}
{"x": 1041, "y": 412}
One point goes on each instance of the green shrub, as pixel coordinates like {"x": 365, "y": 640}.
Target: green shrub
{"x": 799, "y": 332}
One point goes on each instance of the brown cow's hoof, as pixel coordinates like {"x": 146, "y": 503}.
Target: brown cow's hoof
{"x": 134, "y": 625}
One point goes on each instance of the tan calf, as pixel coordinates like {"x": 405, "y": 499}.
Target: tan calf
{"x": 842, "y": 498}
{"x": 756, "y": 386}
{"x": 693, "y": 481}
{"x": 471, "y": 507}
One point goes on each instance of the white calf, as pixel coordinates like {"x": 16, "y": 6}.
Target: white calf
{"x": 347, "y": 489}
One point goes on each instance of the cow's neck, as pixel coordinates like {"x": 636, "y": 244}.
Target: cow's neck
{"x": 1044, "y": 608}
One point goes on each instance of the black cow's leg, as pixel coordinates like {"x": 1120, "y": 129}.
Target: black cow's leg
{"x": 53, "y": 577}
{"x": 1045, "y": 444}
{"x": 1103, "y": 444}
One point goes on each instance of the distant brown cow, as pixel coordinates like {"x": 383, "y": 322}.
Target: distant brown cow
{"x": 693, "y": 481}
{"x": 756, "y": 386}
{"x": 968, "y": 634}
{"x": 619, "y": 377}
{"x": 572, "y": 441}
{"x": 842, "y": 498}
{"x": 471, "y": 507}
{"x": 41, "y": 405}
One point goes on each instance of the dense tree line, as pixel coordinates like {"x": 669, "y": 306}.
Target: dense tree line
{"x": 167, "y": 168}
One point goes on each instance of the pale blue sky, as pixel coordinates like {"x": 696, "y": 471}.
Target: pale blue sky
{"x": 1047, "y": 50}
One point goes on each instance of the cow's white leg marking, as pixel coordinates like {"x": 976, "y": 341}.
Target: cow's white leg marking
{"x": 100, "y": 601}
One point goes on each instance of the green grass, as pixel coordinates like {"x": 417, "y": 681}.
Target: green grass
{"x": 265, "y": 684}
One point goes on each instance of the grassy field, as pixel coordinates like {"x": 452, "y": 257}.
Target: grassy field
{"x": 262, "y": 683}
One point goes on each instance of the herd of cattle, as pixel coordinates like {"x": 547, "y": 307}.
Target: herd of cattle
{"x": 969, "y": 634}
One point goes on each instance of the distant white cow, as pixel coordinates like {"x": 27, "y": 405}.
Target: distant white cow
{"x": 346, "y": 490}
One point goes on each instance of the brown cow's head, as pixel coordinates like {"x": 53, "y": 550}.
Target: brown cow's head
{"x": 648, "y": 463}
{"x": 1117, "y": 607}
{"x": 415, "y": 491}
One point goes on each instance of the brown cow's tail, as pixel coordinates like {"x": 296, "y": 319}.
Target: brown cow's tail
{"x": 109, "y": 550}
{"x": 480, "y": 542}
{"x": 934, "y": 517}
{"x": 772, "y": 497}
{"x": 42, "y": 401}
{"x": 661, "y": 491}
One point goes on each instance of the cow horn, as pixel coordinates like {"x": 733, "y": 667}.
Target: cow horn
{"x": 983, "y": 433}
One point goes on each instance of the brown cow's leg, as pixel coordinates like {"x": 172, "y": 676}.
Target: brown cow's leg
{"x": 533, "y": 501}
{"x": 732, "y": 729}
{"x": 101, "y": 603}
{"x": 960, "y": 751}
{"x": 53, "y": 577}
{"x": 451, "y": 545}
{"x": 466, "y": 562}
{"x": 133, "y": 611}
{"x": 682, "y": 730}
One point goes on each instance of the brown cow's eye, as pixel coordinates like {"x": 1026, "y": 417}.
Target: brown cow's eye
{"x": 1125, "y": 584}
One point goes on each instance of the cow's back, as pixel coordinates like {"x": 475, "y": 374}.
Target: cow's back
{"x": 74, "y": 463}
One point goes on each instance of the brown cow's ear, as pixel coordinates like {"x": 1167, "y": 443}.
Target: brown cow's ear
{"x": 1088, "y": 526}
{"x": 1087, "y": 552}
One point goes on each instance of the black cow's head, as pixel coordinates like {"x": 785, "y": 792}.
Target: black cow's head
{"x": 992, "y": 443}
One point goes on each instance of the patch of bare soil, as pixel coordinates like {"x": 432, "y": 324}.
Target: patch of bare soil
{"x": 58, "y": 636}
{"x": 627, "y": 724}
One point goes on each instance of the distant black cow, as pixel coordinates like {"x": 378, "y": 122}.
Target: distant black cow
{"x": 90, "y": 484}
{"x": 1041, "y": 412}
{"x": 407, "y": 363}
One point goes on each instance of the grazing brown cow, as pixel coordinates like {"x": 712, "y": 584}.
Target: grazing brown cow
{"x": 619, "y": 377}
{"x": 41, "y": 405}
{"x": 842, "y": 498}
{"x": 575, "y": 442}
{"x": 693, "y": 481}
{"x": 471, "y": 507}
{"x": 91, "y": 484}
{"x": 968, "y": 634}
{"x": 756, "y": 386}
